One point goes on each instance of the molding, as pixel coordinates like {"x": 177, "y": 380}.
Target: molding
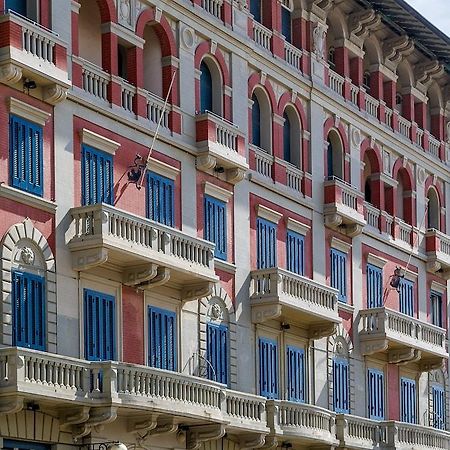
{"x": 27, "y": 111}
{"x": 268, "y": 214}
{"x": 340, "y": 245}
{"x": 217, "y": 192}
{"x": 124, "y": 33}
{"x": 224, "y": 265}
{"x": 99, "y": 142}
{"x": 27, "y": 199}
{"x": 411, "y": 276}
{"x": 438, "y": 287}
{"x": 345, "y": 307}
{"x": 298, "y": 227}
{"x": 376, "y": 260}
{"x": 163, "y": 169}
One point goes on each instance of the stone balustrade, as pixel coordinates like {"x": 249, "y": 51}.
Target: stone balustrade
{"x": 264, "y": 161}
{"x": 262, "y": 35}
{"x": 437, "y": 246}
{"x": 336, "y": 82}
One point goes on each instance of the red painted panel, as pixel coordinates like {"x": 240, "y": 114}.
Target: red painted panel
{"x": 133, "y": 325}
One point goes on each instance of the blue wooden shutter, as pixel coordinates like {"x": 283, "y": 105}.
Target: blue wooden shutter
{"x": 26, "y": 158}
{"x": 406, "y": 297}
{"x": 375, "y": 392}
{"x": 256, "y": 122}
{"x": 339, "y": 273}
{"x": 286, "y": 137}
{"x": 216, "y": 225}
{"x": 296, "y": 374}
{"x": 438, "y": 419}
{"x": 268, "y": 368}
{"x": 162, "y": 338}
{"x": 408, "y": 400}
{"x": 436, "y": 308}
{"x": 97, "y": 183}
{"x": 255, "y": 9}
{"x": 217, "y": 352}
{"x": 295, "y": 252}
{"x": 160, "y": 199}
{"x": 99, "y": 326}
{"x": 286, "y": 23}
{"x": 374, "y": 286}
{"x": 29, "y": 311}
{"x": 206, "y": 89}
{"x": 341, "y": 401}
{"x": 266, "y": 242}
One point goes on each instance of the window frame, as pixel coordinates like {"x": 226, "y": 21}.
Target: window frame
{"x": 436, "y": 309}
{"x": 339, "y": 361}
{"x": 301, "y": 384}
{"x": 337, "y": 279}
{"x": 221, "y": 244}
{"x": 272, "y": 393}
{"x": 168, "y": 219}
{"x": 382, "y": 396}
{"x": 408, "y": 408}
{"x": 221, "y": 327}
{"x": 376, "y": 284}
{"x": 261, "y": 254}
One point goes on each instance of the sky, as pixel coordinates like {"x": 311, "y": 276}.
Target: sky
{"x": 436, "y": 11}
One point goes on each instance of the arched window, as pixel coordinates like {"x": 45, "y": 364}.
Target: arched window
{"x": 206, "y": 88}
{"x": 367, "y": 179}
{"x": 335, "y": 156}
{"x": 256, "y": 121}
{"x": 433, "y": 209}
{"x": 90, "y": 32}
{"x": 286, "y": 138}
{"x": 286, "y": 21}
{"x": 261, "y": 120}
{"x": 400, "y": 198}
{"x": 291, "y": 137}
{"x": 152, "y": 62}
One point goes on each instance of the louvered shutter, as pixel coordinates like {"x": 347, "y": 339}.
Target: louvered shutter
{"x": 374, "y": 286}
{"x": 99, "y": 326}
{"x": 217, "y": 352}
{"x": 295, "y": 374}
{"x": 266, "y": 243}
{"x": 216, "y": 225}
{"x": 295, "y": 248}
{"x": 408, "y": 400}
{"x": 438, "y": 419}
{"x": 162, "y": 338}
{"x": 268, "y": 368}
{"x": 406, "y": 297}
{"x": 341, "y": 399}
{"x": 160, "y": 199}
{"x": 339, "y": 273}
{"x": 375, "y": 392}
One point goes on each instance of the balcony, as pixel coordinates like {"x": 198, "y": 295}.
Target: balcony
{"x": 343, "y": 207}
{"x": 438, "y": 253}
{"x": 68, "y": 384}
{"x": 301, "y": 423}
{"x": 404, "y": 338}
{"x": 262, "y": 36}
{"x": 221, "y": 147}
{"x": 145, "y": 253}
{"x": 360, "y": 433}
{"x": 278, "y": 294}
{"x": 30, "y": 51}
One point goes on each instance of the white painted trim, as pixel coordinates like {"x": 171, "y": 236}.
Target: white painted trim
{"x": 26, "y": 198}
{"x": 224, "y": 265}
{"x": 411, "y": 276}
{"x": 27, "y": 111}
{"x": 99, "y": 142}
{"x": 439, "y": 288}
{"x": 163, "y": 169}
{"x": 268, "y": 214}
{"x": 340, "y": 245}
{"x": 298, "y": 227}
{"x": 217, "y": 192}
{"x": 376, "y": 260}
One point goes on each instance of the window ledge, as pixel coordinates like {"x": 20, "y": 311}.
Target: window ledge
{"x": 225, "y": 266}
{"x": 27, "y": 199}
{"x": 347, "y": 308}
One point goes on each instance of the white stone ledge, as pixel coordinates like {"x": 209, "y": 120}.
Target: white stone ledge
{"x": 26, "y": 198}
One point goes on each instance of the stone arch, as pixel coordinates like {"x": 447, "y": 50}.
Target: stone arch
{"x": 108, "y": 12}
{"x": 339, "y": 127}
{"x": 262, "y": 97}
{"x": 24, "y": 247}
{"x": 255, "y": 80}
{"x": 206, "y": 49}
{"x": 433, "y": 208}
{"x": 373, "y": 152}
{"x": 294, "y": 135}
{"x": 285, "y": 99}
{"x": 399, "y": 166}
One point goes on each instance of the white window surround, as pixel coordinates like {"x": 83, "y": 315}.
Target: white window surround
{"x": 376, "y": 260}
{"x": 98, "y": 142}
{"x": 27, "y": 111}
{"x": 439, "y": 288}
{"x": 411, "y": 276}
{"x": 26, "y": 198}
{"x": 340, "y": 245}
{"x": 296, "y": 226}
{"x": 163, "y": 169}
{"x": 217, "y": 192}
{"x": 269, "y": 214}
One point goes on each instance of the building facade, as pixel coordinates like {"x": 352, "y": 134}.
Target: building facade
{"x": 272, "y": 274}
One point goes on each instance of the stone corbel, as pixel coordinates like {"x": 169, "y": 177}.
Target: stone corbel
{"x": 432, "y": 364}
{"x": 198, "y": 434}
{"x": 235, "y": 175}
{"x": 87, "y": 259}
{"x": 426, "y": 72}
{"x": 395, "y": 48}
{"x": 205, "y": 162}
{"x": 354, "y": 229}
{"x": 196, "y": 291}
{"x": 10, "y": 74}
{"x": 162, "y": 277}
{"x": 11, "y": 405}
{"x": 333, "y": 220}
{"x": 74, "y": 417}
{"x": 97, "y": 418}
{"x": 372, "y": 347}
{"x": 55, "y": 94}
{"x": 249, "y": 441}
{"x": 139, "y": 275}
{"x": 404, "y": 356}
{"x": 142, "y": 426}
{"x": 168, "y": 426}
{"x": 322, "y": 330}
{"x": 271, "y": 442}
{"x": 361, "y": 23}
{"x": 263, "y": 313}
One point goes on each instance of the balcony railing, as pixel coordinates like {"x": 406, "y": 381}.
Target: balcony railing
{"x": 372, "y": 105}
{"x": 213, "y": 7}
{"x": 438, "y": 252}
{"x": 434, "y": 146}
{"x": 262, "y": 35}
{"x": 294, "y": 177}
{"x": 263, "y": 161}
{"x": 127, "y": 94}
{"x": 419, "y": 137}
{"x": 388, "y": 113}
{"x": 94, "y": 80}
{"x": 336, "y": 82}
{"x": 404, "y": 127}
{"x": 155, "y": 109}
{"x": 354, "y": 94}
{"x": 372, "y": 215}
{"x": 405, "y": 231}
{"x": 293, "y": 56}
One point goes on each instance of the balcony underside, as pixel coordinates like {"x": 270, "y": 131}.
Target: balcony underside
{"x": 439, "y": 264}
{"x": 344, "y": 219}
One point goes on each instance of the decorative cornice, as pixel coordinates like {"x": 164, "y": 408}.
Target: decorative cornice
{"x": 27, "y": 199}
{"x": 163, "y": 169}
{"x": 268, "y": 214}
{"x": 99, "y": 142}
{"x": 396, "y": 48}
{"x": 217, "y": 192}
{"x": 27, "y": 111}
{"x": 361, "y": 23}
{"x": 297, "y": 226}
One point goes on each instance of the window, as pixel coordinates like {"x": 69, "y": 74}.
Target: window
{"x": 25, "y": 148}
{"x": 296, "y": 372}
{"x": 339, "y": 273}
{"x": 216, "y": 225}
{"x": 375, "y": 392}
{"x": 286, "y": 137}
{"x": 366, "y": 81}
{"x": 331, "y": 58}
{"x": 160, "y": 199}
{"x": 374, "y": 286}
{"x": 408, "y": 400}
{"x": 406, "y": 297}
{"x": 256, "y": 121}
{"x": 217, "y": 352}
{"x": 286, "y": 27}
{"x": 206, "y": 89}
{"x": 97, "y": 177}
{"x": 9, "y": 444}
{"x": 162, "y": 339}
{"x": 26, "y": 8}
{"x": 295, "y": 244}
{"x": 438, "y": 398}
{"x": 436, "y": 308}
{"x": 255, "y": 9}
{"x": 341, "y": 401}
{"x": 99, "y": 326}
{"x": 122, "y": 61}
{"x": 268, "y": 368}
{"x": 29, "y": 313}
{"x": 266, "y": 242}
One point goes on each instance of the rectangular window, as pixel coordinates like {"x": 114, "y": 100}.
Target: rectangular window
{"x": 26, "y": 155}
{"x": 408, "y": 400}
{"x": 374, "y": 286}
{"x": 339, "y": 273}
{"x": 438, "y": 419}
{"x": 286, "y": 23}
{"x": 375, "y": 392}
{"x": 162, "y": 332}
{"x": 266, "y": 241}
{"x": 10, "y": 444}
{"x": 341, "y": 400}
{"x": 406, "y": 297}
{"x": 99, "y": 326}
{"x": 255, "y": 9}
{"x": 216, "y": 225}
{"x": 29, "y": 316}
{"x": 268, "y": 368}
{"x": 436, "y": 308}
{"x": 295, "y": 248}
{"x": 217, "y": 352}
{"x": 296, "y": 374}
{"x": 97, "y": 177}
{"x": 160, "y": 199}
